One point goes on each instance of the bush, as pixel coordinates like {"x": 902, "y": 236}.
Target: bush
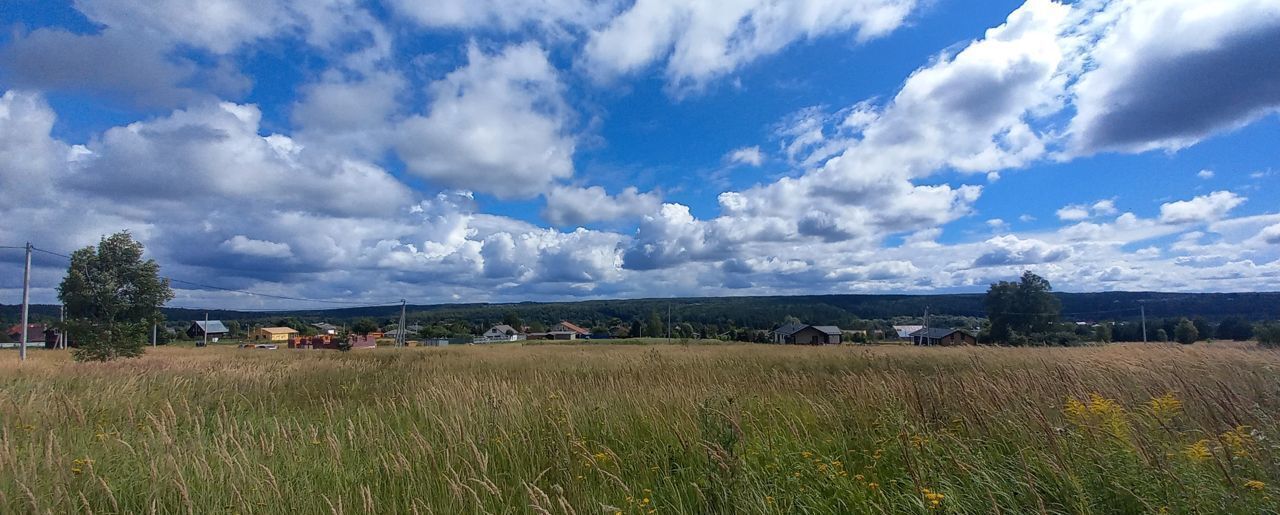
{"x": 1186, "y": 332}
{"x": 1268, "y": 334}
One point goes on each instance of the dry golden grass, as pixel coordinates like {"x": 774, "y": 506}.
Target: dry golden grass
{"x": 644, "y": 429}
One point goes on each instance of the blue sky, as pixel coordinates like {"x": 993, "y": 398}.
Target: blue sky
{"x": 556, "y": 149}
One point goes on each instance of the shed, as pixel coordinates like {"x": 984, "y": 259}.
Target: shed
{"x": 803, "y": 334}
{"x": 943, "y": 336}
{"x": 215, "y": 329}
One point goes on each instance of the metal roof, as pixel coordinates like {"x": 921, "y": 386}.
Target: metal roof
{"x": 793, "y": 328}
{"x": 938, "y": 332}
{"x": 215, "y": 326}
{"x": 790, "y": 329}
{"x": 279, "y": 330}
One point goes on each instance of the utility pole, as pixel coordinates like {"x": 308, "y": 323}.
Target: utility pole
{"x": 926, "y": 325}
{"x": 204, "y": 333}
{"x": 153, "y": 334}
{"x": 26, "y": 305}
{"x": 1144, "y": 321}
{"x": 403, "y": 334}
{"x": 62, "y": 331}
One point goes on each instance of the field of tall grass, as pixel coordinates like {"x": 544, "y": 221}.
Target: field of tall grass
{"x": 559, "y": 429}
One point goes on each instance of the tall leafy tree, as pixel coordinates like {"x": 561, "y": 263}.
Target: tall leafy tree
{"x": 656, "y": 327}
{"x": 112, "y": 297}
{"x": 1186, "y": 332}
{"x": 364, "y": 326}
{"x": 1025, "y": 309}
{"x": 512, "y": 319}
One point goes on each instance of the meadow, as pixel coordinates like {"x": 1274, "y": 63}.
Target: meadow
{"x": 640, "y": 429}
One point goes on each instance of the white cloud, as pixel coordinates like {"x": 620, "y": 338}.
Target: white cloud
{"x": 504, "y": 14}
{"x": 568, "y": 205}
{"x": 1168, "y": 73}
{"x": 341, "y": 112}
{"x": 1205, "y": 174}
{"x": 498, "y": 125}
{"x": 1104, "y": 208}
{"x": 1011, "y": 250}
{"x": 241, "y": 244}
{"x": 1204, "y": 208}
{"x": 1073, "y": 213}
{"x": 701, "y": 41}
{"x": 750, "y": 156}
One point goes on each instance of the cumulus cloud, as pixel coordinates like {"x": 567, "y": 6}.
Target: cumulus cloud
{"x": 567, "y": 205}
{"x": 1204, "y": 208}
{"x": 1011, "y": 250}
{"x": 701, "y": 41}
{"x": 115, "y": 65}
{"x": 750, "y": 156}
{"x": 498, "y": 125}
{"x": 504, "y": 14}
{"x": 241, "y": 244}
{"x": 1205, "y": 174}
{"x": 1073, "y": 213}
{"x": 1168, "y": 73}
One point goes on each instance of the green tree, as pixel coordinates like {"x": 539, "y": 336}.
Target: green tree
{"x": 112, "y": 298}
{"x": 1025, "y": 309}
{"x": 364, "y": 326}
{"x": 1268, "y": 334}
{"x": 1234, "y": 328}
{"x": 636, "y": 328}
{"x": 1162, "y": 336}
{"x": 512, "y": 319}
{"x": 1102, "y": 333}
{"x": 1186, "y": 332}
{"x": 1203, "y": 328}
{"x": 233, "y": 328}
{"x": 656, "y": 328}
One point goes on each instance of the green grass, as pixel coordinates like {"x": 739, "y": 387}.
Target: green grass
{"x": 644, "y": 429}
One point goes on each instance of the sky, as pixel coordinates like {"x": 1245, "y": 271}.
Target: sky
{"x": 364, "y": 151}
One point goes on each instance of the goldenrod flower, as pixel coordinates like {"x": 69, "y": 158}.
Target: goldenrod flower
{"x": 1198, "y": 451}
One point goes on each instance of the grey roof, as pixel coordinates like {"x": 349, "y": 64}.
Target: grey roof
{"x": 325, "y": 326}
{"x": 790, "y": 329}
{"x": 938, "y": 332}
{"x": 793, "y": 328}
{"x": 904, "y": 331}
{"x": 215, "y": 326}
{"x": 504, "y": 329}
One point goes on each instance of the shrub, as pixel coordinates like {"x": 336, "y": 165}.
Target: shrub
{"x": 1268, "y": 334}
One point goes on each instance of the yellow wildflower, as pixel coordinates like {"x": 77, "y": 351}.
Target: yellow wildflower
{"x": 1254, "y": 484}
{"x": 1198, "y": 451}
{"x": 859, "y": 477}
{"x": 873, "y": 485}
{"x": 1238, "y": 440}
{"x": 1164, "y": 407}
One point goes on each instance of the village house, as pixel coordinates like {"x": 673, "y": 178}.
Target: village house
{"x": 502, "y": 332}
{"x": 804, "y": 334}
{"x": 943, "y": 336}
{"x": 904, "y": 331}
{"x": 274, "y": 334}
{"x": 35, "y": 334}
{"x": 215, "y": 330}
{"x": 411, "y": 331}
{"x": 566, "y": 331}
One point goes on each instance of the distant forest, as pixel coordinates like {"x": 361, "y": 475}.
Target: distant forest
{"x": 709, "y": 316}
